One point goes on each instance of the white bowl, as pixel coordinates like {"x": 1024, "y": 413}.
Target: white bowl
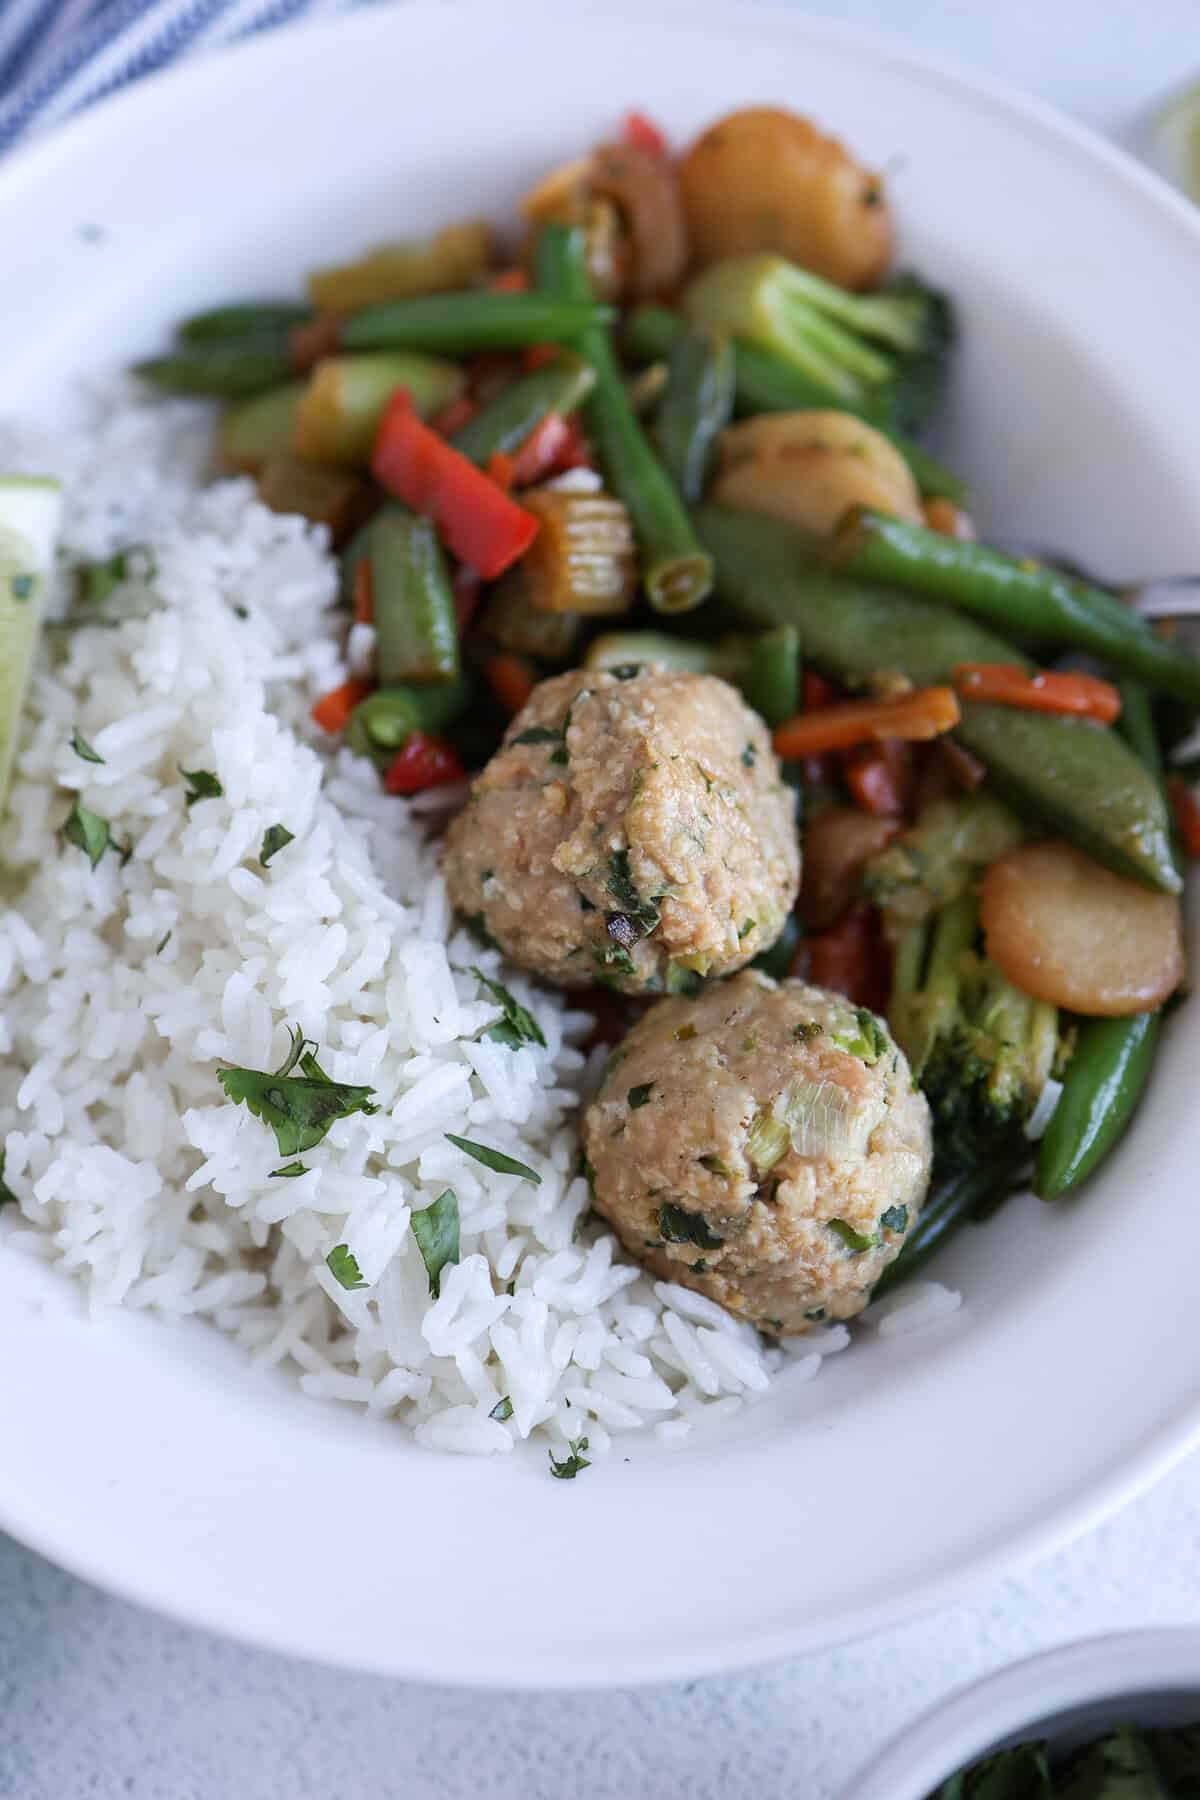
{"x": 1068, "y": 1696}
{"x": 154, "y": 1461}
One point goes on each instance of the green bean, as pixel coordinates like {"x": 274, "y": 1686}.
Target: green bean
{"x": 696, "y": 407}
{"x": 1017, "y": 596}
{"x": 221, "y": 371}
{"x": 460, "y": 322}
{"x": 416, "y": 630}
{"x": 676, "y": 571}
{"x": 558, "y": 387}
{"x": 952, "y": 1201}
{"x": 1112, "y": 1060}
{"x": 1078, "y": 777}
{"x": 771, "y": 678}
{"x": 764, "y": 383}
{"x": 383, "y": 722}
{"x": 227, "y": 324}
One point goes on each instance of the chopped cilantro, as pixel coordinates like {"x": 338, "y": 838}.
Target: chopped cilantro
{"x": 502, "y": 1410}
{"x": 475, "y": 923}
{"x": 289, "y": 1171}
{"x": 275, "y": 838}
{"x": 558, "y": 757}
{"x": 88, "y": 831}
{"x": 539, "y": 734}
{"x": 625, "y": 671}
{"x": 82, "y": 748}
{"x": 715, "y": 1166}
{"x": 436, "y": 1230}
{"x": 745, "y": 928}
{"x": 638, "y": 1096}
{"x": 685, "y": 984}
{"x": 699, "y": 1267}
{"x": 679, "y": 1226}
{"x": 585, "y": 904}
{"x": 495, "y": 1159}
{"x": 616, "y": 958}
{"x": 518, "y": 1025}
{"x": 7, "y": 1197}
{"x": 202, "y": 785}
{"x": 749, "y": 756}
{"x": 810, "y": 1029}
{"x": 853, "y": 1240}
{"x": 568, "y": 1468}
{"x": 894, "y": 1219}
{"x": 298, "y": 1108}
{"x": 162, "y": 943}
{"x": 343, "y": 1266}
{"x": 816, "y": 1315}
{"x": 624, "y": 890}
{"x": 98, "y": 580}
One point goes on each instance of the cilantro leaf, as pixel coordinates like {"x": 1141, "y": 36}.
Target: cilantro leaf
{"x": 638, "y": 1096}
{"x": 539, "y": 734}
{"x": 621, "y": 885}
{"x": 7, "y": 1197}
{"x": 436, "y": 1230}
{"x": 569, "y": 1466}
{"x": 202, "y": 785}
{"x": 894, "y": 1219}
{"x": 81, "y": 747}
{"x": 97, "y": 580}
{"x": 502, "y": 1410}
{"x": 749, "y": 756}
{"x": 88, "y": 831}
{"x": 679, "y": 1226}
{"x": 289, "y": 1171}
{"x": 275, "y": 838}
{"x": 518, "y": 1026}
{"x": 162, "y": 943}
{"x": 494, "y": 1159}
{"x": 853, "y": 1240}
{"x": 298, "y": 1108}
{"x": 343, "y": 1266}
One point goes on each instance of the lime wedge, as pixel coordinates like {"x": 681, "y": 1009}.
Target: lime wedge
{"x": 30, "y": 515}
{"x": 1174, "y": 139}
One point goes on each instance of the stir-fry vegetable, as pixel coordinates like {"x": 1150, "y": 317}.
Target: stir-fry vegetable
{"x": 1071, "y": 694}
{"x": 675, "y": 569}
{"x": 347, "y": 396}
{"x": 452, "y": 324}
{"x": 696, "y": 406}
{"x": 453, "y": 258}
{"x": 917, "y": 716}
{"x": 557, "y": 389}
{"x": 254, "y": 431}
{"x": 416, "y": 633}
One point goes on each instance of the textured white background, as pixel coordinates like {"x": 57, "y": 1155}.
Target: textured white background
{"x": 98, "y": 1699}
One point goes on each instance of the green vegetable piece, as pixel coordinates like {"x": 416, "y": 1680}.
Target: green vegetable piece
{"x": 639, "y": 1096}
{"x": 275, "y": 839}
{"x": 202, "y": 785}
{"x": 435, "y": 1229}
{"x": 503, "y": 1410}
{"x": 503, "y": 426}
{"x": 346, "y": 397}
{"x": 383, "y": 722}
{"x": 1015, "y": 595}
{"x": 518, "y": 1025}
{"x": 458, "y": 323}
{"x": 539, "y": 734}
{"x": 940, "y": 857}
{"x": 96, "y": 581}
{"x": 252, "y": 431}
{"x": 853, "y": 1240}
{"x": 868, "y": 1041}
{"x": 894, "y": 1219}
{"x": 626, "y": 653}
{"x": 218, "y": 371}
{"x": 298, "y": 1108}
{"x": 765, "y": 383}
{"x": 1102, "y": 1089}
{"x": 695, "y": 408}
{"x": 416, "y": 628}
{"x": 88, "y": 831}
{"x": 343, "y": 1266}
{"x": 676, "y": 571}
{"x": 289, "y": 1171}
{"x": 680, "y": 1226}
{"x": 495, "y": 1160}
{"x": 1079, "y": 778}
{"x": 568, "y": 1467}
{"x": 643, "y": 914}
{"x": 255, "y": 318}
{"x": 83, "y": 749}
{"x": 770, "y": 679}
{"x": 683, "y": 983}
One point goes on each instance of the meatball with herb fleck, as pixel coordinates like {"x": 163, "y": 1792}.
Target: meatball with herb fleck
{"x": 633, "y": 830}
{"x": 764, "y": 1144}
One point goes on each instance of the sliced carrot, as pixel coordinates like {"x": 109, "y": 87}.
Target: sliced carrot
{"x": 1185, "y": 809}
{"x": 510, "y": 281}
{"x": 364, "y": 598}
{"x": 332, "y": 711}
{"x": 880, "y": 779}
{"x": 1070, "y": 693}
{"x": 927, "y": 713}
{"x": 510, "y": 679}
{"x": 502, "y": 469}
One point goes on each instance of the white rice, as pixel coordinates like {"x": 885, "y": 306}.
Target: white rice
{"x": 123, "y": 989}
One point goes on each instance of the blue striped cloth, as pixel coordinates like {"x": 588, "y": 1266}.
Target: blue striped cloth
{"x": 59, "y": 55}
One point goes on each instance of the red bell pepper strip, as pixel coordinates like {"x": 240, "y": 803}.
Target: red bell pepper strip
{"x": 424, "y": 762}
{"x": 851, "y": 958}
{"x": 479, "y": 523}
{"x": 332, "y": 711}
{"x": 643, "y": 134}
{"x": 540, "y": 456}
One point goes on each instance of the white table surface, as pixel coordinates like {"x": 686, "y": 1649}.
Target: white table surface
{"x": 100, "y": 1699}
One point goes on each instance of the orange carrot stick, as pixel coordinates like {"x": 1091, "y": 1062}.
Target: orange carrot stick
{"x": 924, "y": 714}
{"x": 1069, "y": 693}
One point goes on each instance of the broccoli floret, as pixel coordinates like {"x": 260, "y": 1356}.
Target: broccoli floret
{"x": 937, "y": 859}
{"x": 884, "y": 355}
{"x": 981, "y": 1050}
